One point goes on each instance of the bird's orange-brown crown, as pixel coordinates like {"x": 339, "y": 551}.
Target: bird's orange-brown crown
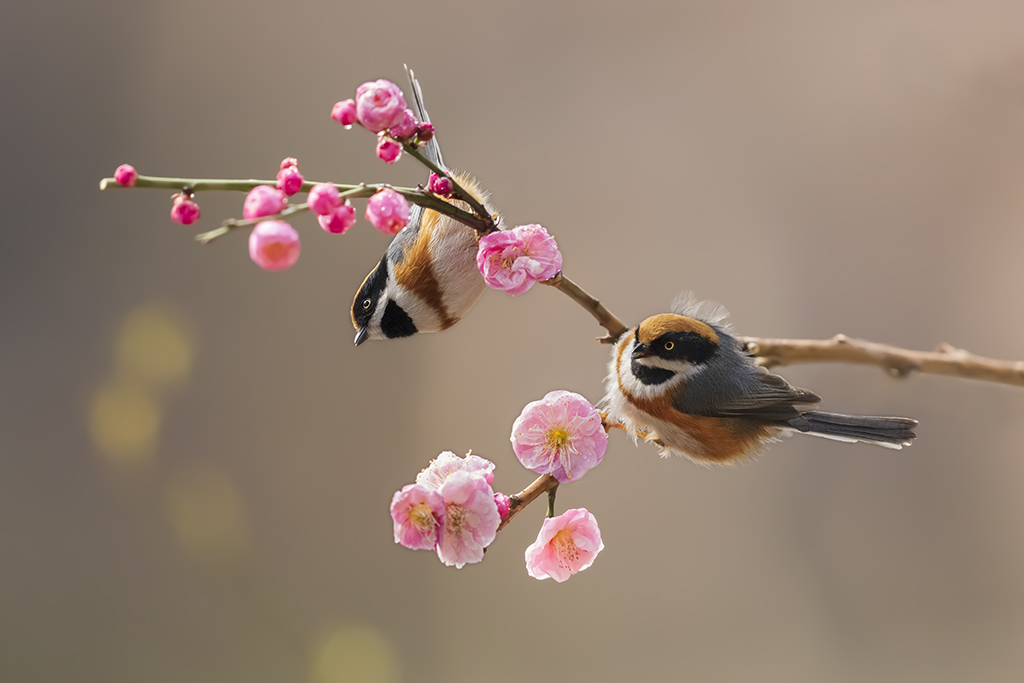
{"x": 657, "y": 325}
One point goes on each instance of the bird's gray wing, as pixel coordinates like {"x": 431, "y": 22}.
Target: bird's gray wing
{"x": 431, "y": 149}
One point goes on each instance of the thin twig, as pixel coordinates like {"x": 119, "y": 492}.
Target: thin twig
{"x": 945, "y": 360}
{"x": 460, "y": 192}
{"x": 604, "y": 317}
{"x": 542, "y": 484}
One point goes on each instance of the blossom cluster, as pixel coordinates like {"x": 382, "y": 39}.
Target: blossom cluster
{"x": 380, "y": 107}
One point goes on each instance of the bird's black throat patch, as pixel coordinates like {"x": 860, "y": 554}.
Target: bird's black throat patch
{"x": 396, "y": 322}
{"x": 649, "y": 375}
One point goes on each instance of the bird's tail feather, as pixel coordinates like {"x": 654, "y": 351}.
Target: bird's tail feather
{"x": 419, "y": 109}
{"x": 889, "y": 432}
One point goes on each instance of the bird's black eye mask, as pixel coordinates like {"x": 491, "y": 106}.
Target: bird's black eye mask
{"x": 369, "y": 294}
{"x": 685, "y": 346}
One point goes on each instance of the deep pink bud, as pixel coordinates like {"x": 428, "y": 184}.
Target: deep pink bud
{"x": 184, "y": 211}
{"x": 344, "y": 112}
{"x": 380, "y": 105}
{"x": 425, "y": 132}
{"x": 274, "y": 245}
{"x": 387, "y": 211}
{"x": 289, "y": 180}
{"x": 440, "y": 185}
{"x": 339, "y": 220}
{"x": 125, "y": 175}
{"x": 388, "y": 149}
{"x": 406, "y": 129}
{"x": 263, "y": 200}
{"x": 324, "y": 199}
{"x": 289, "y": 161}
{"x": 504, "y": 503}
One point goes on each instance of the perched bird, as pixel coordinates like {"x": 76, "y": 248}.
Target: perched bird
{"x": 684, "y": 382}
{"x": 428, "y": 278}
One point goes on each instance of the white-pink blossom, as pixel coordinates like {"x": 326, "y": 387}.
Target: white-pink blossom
{"x": 567, "y": 544}
{"x": 418, "y": 515}
{"x": 441, "y": 467}
{"x": 561, "y": 435}
{"x": 471, "y": 518}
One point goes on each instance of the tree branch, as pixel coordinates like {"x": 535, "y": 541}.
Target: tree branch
{"x": 604, "y": 317}
{"x": 945, "y": 360}
{"x": 542, "y": 484}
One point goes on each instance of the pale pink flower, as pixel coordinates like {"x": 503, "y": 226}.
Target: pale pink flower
{"x": 380, "y": 105}
{"x": 289, "y": 180}
{"x": 512, "y": 260}
{"x": 418, "y": 514}
{"x": 339, "y": 220}
{"x": 407, "y": 128}
{"x": 561, "y": 435}
{"x": 263, "y": 200}
{"x": 388, "y": 149}
{"x": 344, "y": 112}
{"x": 387, "y": 211}
{"x": 471, "y": 518}
{"x": 323, "y": 199}
{"x": 440, "y": 185}
{"x": 126, "y": 175}
{"x": 184, "y": 210}
{"x": 504, "y": 503}
{"x": 274, "y": 245}
{"x": 441, "y": 467}
{"x": 567, "y": 544}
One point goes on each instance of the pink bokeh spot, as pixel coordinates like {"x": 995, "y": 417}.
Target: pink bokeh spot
{"x": 567, "y": 544}
{"x": 418, "y": 513}
{"x": 561, "y": 435}
{"x": 263, "y": 200}
{"x": 340, "y": 220}
{"x": 387, "y": 211}
{"x": 471, "y": 518}
{"x": 323, "y": 199}
{"x": 274, "y": 245}
{"x": 344, "y": 112}
{"x": 380, "y": 105}
{"x": 184, "y": 210}
{"x": 126, "y": 175}
{"x": 512, "y": 260}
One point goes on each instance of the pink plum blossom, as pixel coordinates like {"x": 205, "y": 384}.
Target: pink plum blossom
{"x": 263, "y": 200}
{"x": 344, "y": 112}
{"x": 324, "y": 198}
{"x": 567, "y": 544}
{"x": 380, "y": 105}
{"x": 289, "y": 180}
{"x": 471, "y": 518}
{"x": 339, "y": 220}
{"x": 387, "y": 211}
{"x": 441, "y": 467}
{"x": 126, "y": 175}
{"x": 561, "y": 435}
{"x": 184, "y": 210}
{"x": 425, "y": 131}
{"x": 388, "y": 149}
{"x": 512, "y": 260}
{"x": 418, "y": 514}
{"x": 407, "y": 128}
{"x": 274, "y": 245}
{"x": 440, "y": 185}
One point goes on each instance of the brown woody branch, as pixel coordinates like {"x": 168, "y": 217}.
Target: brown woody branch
{"x": 945, "y": 360}
{"x": 542, "y": 484}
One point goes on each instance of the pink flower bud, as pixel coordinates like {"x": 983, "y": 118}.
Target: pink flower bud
{"x": 184, "y": 211}
{"x": 324, "y": 199}
{"x": 380, "y": 105}
{"x": 274, "y": 245}
{"x": 388, "y": 150}
{"x": 339, "y": 220}
{"x": 387, "y": 211}
{"x": 344, "y": 112}
{"x": 125, "y": 175}
{"x": 425, "y": 132}
{"x": 263, "y": 200}
{"x": 504, "y": 503}
{"x": 440, "y": 185}
{"x": 289, "y": 161}
{"x": 406, "y": 129}
{"x": 289, "y": 180}
{"x": 567, "y": 544}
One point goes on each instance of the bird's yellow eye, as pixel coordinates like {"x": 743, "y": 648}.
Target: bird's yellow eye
{"x": 669, "y": 346}
{"x": 366, "y": 303}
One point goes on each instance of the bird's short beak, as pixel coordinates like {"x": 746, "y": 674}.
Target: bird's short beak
{"x": 362, "y": 335}
{"x": 641, "y": 350}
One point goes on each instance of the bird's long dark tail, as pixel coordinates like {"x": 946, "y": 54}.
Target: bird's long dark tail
{"x": 889, "y": 432}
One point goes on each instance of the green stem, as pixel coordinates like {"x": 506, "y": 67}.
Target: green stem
{"x": 461, "y": 193}
{"x": 551, "y": 501}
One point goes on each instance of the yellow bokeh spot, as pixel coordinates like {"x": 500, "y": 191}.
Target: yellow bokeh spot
{"x": 155, "y": 345}
{"x": 356, "y": 654}
{"x": 206, "y": 513}
{"x": 124, "y": 422}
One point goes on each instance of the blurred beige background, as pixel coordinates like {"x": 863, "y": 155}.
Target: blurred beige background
{"x": 196, "y": 464}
